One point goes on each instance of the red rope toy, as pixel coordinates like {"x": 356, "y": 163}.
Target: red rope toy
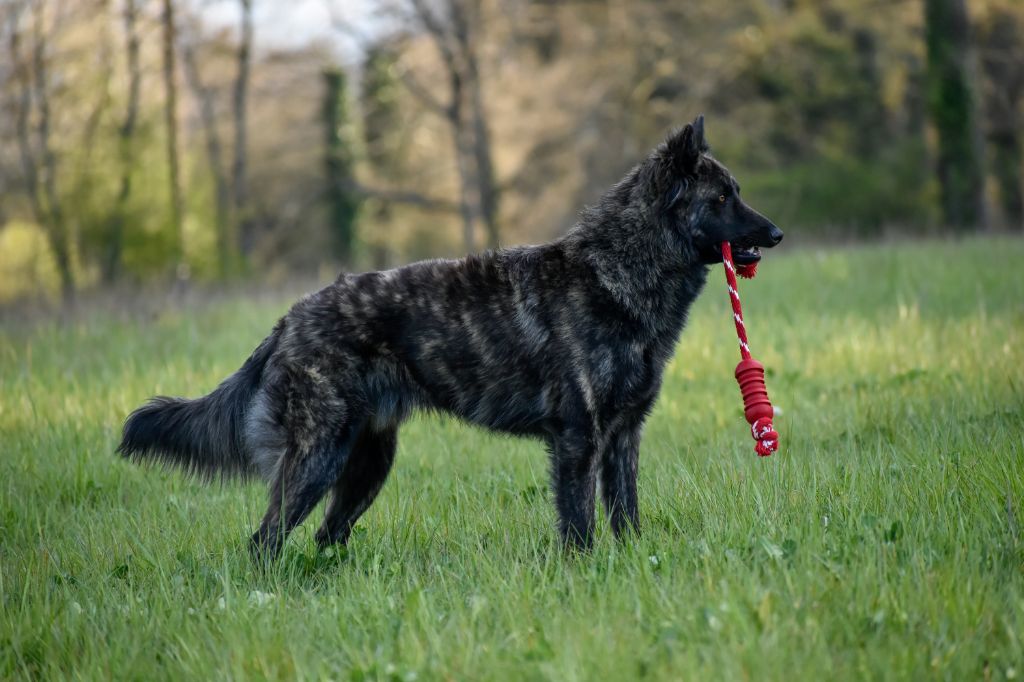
{"x": 757, "y": 408}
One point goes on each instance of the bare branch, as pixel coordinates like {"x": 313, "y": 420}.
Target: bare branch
{"x": 421, "y": 93}
{"x": 441, "y": 35}
{"x": 415, "y": 88}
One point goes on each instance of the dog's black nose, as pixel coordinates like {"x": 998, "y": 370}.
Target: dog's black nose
{"x": 776, "y": 235}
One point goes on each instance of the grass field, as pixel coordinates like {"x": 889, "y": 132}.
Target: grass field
{"x": 884, "y": 541}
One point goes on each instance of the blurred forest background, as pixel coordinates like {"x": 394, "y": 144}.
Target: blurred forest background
{"x": 142, "y": 144}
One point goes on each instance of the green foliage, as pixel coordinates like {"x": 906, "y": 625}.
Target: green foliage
{"x": 839, "y": 193}
{"x": 884, "y": 541}
{"x": 823, "y": 148}
{"x": 819, "y": 72}
{"x": 27, "y": 268}
{"x": 380, "y": 97}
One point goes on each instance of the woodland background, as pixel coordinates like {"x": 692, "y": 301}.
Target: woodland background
{"x": 142, "y": 145}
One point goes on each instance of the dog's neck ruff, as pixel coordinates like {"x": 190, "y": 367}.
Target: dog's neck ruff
{"x": 644, "y": 280}
{"x": 757, "y": 408}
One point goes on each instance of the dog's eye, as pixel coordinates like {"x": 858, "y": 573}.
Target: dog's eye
{"x": 721, "y": 198}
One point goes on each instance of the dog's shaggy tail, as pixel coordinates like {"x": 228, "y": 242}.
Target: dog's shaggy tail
{"x": 205, "y": 436}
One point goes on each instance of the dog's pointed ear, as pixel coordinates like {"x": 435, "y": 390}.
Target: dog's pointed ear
{"x": 698, "y": 133}
{"x": 686, "y": 145}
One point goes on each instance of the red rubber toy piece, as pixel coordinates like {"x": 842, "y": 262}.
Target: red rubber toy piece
{"x": 757, "y": 408}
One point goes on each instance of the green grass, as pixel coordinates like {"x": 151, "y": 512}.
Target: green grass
{"x": 883, "y": 541}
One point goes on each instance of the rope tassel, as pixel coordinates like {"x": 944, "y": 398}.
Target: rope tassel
{"x": 757, "y": 408}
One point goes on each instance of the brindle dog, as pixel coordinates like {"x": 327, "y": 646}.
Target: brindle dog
{"x": 565, "y": 342}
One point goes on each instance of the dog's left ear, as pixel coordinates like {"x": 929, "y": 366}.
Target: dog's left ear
{"x": 686, "y": 146}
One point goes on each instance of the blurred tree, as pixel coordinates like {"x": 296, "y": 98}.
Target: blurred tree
{"x": 80, "y": 161}
{"x": 821, "y": 72}
{"x": 456, "y": 32}
{"x": 177, "y": 206}
{"x": 827, "y": 110}
{"x": 379, "y": 103}
{"x": 869, "y": 118}
{"x": 382, "y": 138}
{"x": 239, "y": 181}
{"x": 1002, "y": 61}
{"x": 222, "y": 197}
{"x": 391, "y": 101}
{"x": 342, "y": 201}
{"x": 111, "y": 262}
{"x": 482, "y": 155}
{"x": 951, "y": 105}
{"x": 35, "y": 144}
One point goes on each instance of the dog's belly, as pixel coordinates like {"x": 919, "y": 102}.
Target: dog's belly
{"x": 505, "y": 396}
{"x": 523, "y": 411}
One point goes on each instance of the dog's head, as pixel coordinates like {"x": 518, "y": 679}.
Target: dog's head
{"x": 695, "y": 195}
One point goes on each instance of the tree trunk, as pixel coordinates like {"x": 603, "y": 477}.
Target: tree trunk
{"x": 486, "y": 186}
{"x": 23, "y": 112}
{"x": 451, "y": 39}
{"x": 952, "y": 108}
{"x": 111, "y": 268}
{"x": 58, "y": 228}
{"x": 39, "y": 163}
{"x": 1002, "y": 61}
{"x": 463, "y": 148}
{"x": 342, "y": 203}
{"x": 454, "y": 44}
{"x": 239, "y": 187}
{"x": 171, "y": 117}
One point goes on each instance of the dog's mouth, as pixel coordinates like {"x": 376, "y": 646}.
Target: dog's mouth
{"x": 741, "y": 255}
{"x": 745, "y": 255}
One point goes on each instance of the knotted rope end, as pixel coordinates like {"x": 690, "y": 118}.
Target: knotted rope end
{"x": 766, "y": 436}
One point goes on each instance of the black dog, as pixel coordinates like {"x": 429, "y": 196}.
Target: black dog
{"x": 565, "y": 341}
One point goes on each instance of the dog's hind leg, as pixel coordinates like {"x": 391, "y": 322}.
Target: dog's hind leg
{"x": 574, "y": 481}
{"x": 303, "y": 478}
{"x": 618, "y": 480}
{"x": 361, "y": 479}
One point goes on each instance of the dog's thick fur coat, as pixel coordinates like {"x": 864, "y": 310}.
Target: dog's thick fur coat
{"x": 565, "y": 342}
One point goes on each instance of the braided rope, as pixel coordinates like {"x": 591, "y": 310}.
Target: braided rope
{"x": 757, "y": 408}
{"x": 734, "y": 297}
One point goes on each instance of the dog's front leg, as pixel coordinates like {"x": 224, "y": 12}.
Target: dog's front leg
{"x": 618, "y": 480}
{"x": 573, "y": 456}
